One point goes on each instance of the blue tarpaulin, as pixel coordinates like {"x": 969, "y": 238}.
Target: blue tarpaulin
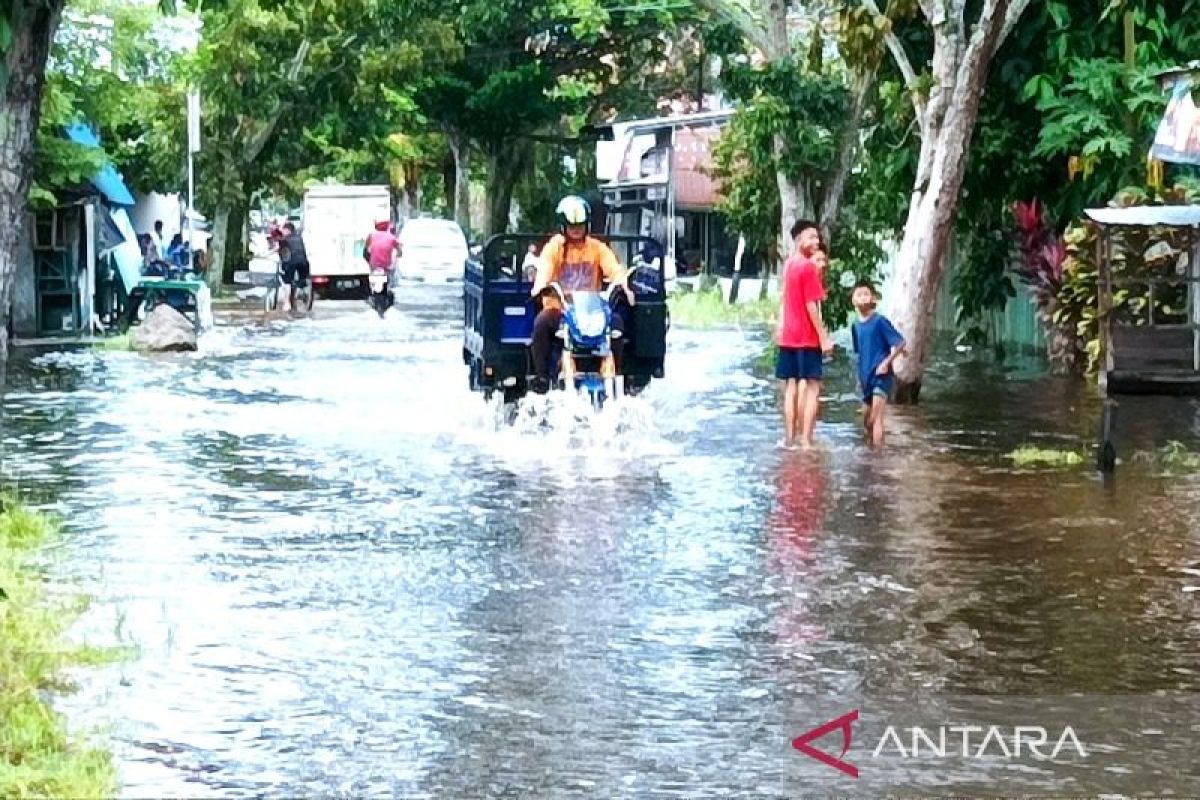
{"x": 107, "y": 180}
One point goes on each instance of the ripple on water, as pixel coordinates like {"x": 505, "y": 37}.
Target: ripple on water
{"x": 348, "y": 576}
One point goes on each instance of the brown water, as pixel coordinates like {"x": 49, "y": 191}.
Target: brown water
{"x": 346, "y": 577}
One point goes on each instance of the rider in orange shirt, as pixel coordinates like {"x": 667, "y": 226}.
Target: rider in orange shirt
{"x": 576, "y": 262}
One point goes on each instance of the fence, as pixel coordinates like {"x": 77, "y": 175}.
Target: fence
{"x": 1016, "y": 326}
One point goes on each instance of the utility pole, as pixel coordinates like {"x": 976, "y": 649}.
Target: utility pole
{"x": 193, "y": 123}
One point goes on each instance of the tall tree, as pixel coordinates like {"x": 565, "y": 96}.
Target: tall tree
{"x": 26, "y": 29}
{"x": 116, "y": 67}
{"x": 946, "y": 105}
{"x": 1096, "y": 97}
{"x": 789, "y": 96}
{"x": 528, "y": 68}
{"x": 289, "y": 83}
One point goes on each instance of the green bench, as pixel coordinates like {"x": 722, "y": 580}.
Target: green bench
{"x": 149, "y": 292}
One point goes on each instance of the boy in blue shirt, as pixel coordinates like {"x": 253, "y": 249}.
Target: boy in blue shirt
{"x": 877, "y": 343}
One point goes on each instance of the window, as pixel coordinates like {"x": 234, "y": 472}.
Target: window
{"x": 49, "y": 230}
{"x": 654, "y": 162}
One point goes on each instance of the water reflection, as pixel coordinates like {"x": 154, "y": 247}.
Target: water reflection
{"x": 347, "y": 577}
{"x": 794, "y": 530}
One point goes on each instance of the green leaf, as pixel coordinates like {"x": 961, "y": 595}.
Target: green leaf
{"x": 1060, "y": 14}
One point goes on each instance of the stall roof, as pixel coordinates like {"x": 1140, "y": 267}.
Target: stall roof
{"x": 108, "y": 181}
{"x": 1178, "y": 216}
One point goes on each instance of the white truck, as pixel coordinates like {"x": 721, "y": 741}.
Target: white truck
{"x": 336, "y": 221}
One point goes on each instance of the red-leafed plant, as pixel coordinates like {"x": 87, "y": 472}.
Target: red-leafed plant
{"x": 1042, "y": 250}
{"x": 1040, "y": 267}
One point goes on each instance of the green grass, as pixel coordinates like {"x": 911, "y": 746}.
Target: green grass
{"x": 37, "y": 756}
{"x": 117, "y": 342}
{"x": 1173, "y": 459}
{"x": 1030, "y": 456}
{"x": 707, "y": 309}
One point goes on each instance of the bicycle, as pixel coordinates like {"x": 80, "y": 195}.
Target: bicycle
{"x": 300, "y": 297}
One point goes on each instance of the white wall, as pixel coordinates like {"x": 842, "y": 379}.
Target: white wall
{"x": 155, "y": 206}
{"x": 610, "y": 156}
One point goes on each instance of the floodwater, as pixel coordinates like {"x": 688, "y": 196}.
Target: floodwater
{"x": 345, "y": 576}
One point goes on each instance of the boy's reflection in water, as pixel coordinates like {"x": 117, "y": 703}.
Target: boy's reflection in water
{"x": 796, "y": 522}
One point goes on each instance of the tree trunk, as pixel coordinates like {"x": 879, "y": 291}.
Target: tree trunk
{"x": 449, "y": 171}
{"x": 235, "y": 242}
{"x": 960, "y": 71}
{"x": 506, "y": 164}
{"x": 412, "y": 189}
{"x": 410, "y": 192}
{"x": 405, "y": 205}
{"x": 795, "y": 202}
{"x": 831, "y": 204}
{"x": 461, "y": 149}
{"x": 24, "y": 78}
{"x": 216, "y": 249}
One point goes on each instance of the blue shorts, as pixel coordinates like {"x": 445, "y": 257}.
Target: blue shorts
{"x": 800, "y": 364}
{"x": 877, "y": 386}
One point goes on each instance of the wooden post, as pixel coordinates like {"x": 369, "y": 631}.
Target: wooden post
{"x": 1106, "y": 448}
{"x": 1103, "y": 298}
{"x": 1194, "y": 297}
{"x": 88, "y": 309}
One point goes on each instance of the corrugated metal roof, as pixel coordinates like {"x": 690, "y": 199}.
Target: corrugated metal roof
{"x": 680, "y": 121}
{"x": 108, "y": 181}
{"x": 694, "y": 185}
{"x": 1146, "y": 215}
{"x": 691, "y": 164}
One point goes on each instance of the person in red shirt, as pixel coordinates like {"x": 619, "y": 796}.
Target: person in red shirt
{"x": 801, "y": 337}
{"x": 382, "y": 247}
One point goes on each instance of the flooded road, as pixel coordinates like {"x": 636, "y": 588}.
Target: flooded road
{"x": 345, "y": 577}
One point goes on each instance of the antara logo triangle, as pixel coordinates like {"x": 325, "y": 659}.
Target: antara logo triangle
{"x": 843, "y": 723}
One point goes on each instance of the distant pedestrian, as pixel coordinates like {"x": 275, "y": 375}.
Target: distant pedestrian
{"x": 529, "y": 266}
{"x": 821, "y": 260}
{"x": 178, "y": 253}
{"x": 801, "y": 337}
{"x": 160, "y": 247}
{"x": 293, "y": 263}
{"x": 878, "y": 344}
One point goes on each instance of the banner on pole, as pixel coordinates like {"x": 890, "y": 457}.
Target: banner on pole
{"x": 1178, "y": 137}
